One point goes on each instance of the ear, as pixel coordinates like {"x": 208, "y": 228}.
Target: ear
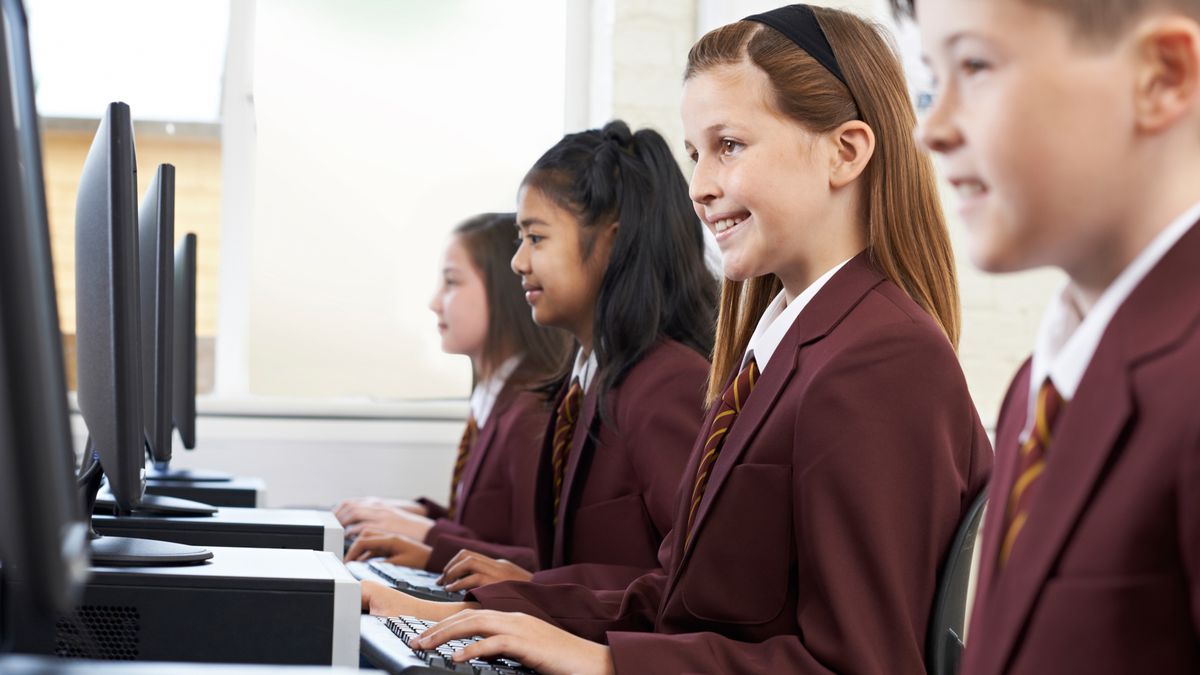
{"x": 854, "y": 144}
{"x": 1168, "y": 72}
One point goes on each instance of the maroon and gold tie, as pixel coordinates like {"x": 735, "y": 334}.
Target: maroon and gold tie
{"x": 564, "y": 433}
{"x": 460, "y": 463}
{"x": 1030, "y": 465}
{"x": 732, "y": 400}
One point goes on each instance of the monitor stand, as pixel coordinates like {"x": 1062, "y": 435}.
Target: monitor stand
{"x": 124, "y": 551}
{"x": 159, "y": 505}
{"x": 162, "y": 471}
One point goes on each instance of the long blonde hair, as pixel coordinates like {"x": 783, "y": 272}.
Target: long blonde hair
{"x": 907, "y": 238}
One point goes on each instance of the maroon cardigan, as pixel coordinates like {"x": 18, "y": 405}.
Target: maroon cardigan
{"x": 1105, "y": 576}
{"x": 833, "y": 502}
{"x": 498, "y": 481}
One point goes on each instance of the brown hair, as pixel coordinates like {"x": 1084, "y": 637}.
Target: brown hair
{"x": 906, "y": 232}
{"x": 1093, "y": 19}
{"x": 490, "y": 242}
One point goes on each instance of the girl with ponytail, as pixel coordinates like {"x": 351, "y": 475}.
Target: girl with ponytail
{"x": 610, "y": 251}
{"x": 841, "y": 447}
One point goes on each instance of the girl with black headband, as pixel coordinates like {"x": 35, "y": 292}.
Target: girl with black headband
{"x": 841, "y": 446}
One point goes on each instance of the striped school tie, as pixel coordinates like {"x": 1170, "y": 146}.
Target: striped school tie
{"x": 460, "y": 463}
{"x": 732, "y": 401}
{"x": 1030, "y": 465}
{"x": 564, "y": 433}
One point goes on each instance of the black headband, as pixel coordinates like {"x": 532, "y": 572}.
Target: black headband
{"x": 800, "y": 25}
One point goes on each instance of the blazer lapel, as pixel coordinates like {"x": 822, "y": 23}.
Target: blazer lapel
{"x": 1159, "y": 312}
{"x": 1080, "y": 449}
{"x": 580, "y": 444}
{"x": 544, "y": 487}
{"x": 483, "y": 442}
{"x": 1003, "y": 477}
{"x": 839, "y": 296}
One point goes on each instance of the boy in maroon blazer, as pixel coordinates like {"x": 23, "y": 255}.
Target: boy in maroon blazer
{"x": 1071, "y": 131}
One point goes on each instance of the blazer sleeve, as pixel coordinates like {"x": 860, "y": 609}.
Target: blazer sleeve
{"x": 583, "y": 611}
{"x": 883, "y": 442}
{"x": 432, "y": 509}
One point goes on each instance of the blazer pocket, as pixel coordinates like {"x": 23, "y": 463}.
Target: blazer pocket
{"x": 1112, "y": 624}
{"x": 488, "y": 513}
{"x": 614, "y": 532}
{"x": 740, "y": 569}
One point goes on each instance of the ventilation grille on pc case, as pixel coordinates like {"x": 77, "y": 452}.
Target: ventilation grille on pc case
{"x": 108, "y": 632}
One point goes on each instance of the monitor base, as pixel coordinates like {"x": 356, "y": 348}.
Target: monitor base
{"x": 168, "y": 474}
{"x": 128, "y": 552}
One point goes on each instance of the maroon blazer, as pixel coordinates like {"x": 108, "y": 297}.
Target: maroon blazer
{"x": 622, "y": 477}
{"x": 496, "y": 503}
{"x": 1105, "y": 576}
{"x": 833, "y": 502}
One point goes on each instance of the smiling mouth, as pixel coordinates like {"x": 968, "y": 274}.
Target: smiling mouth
{"x": 969, "y": 188}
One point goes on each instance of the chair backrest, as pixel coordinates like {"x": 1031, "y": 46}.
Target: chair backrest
{"x": 955, "y": 593}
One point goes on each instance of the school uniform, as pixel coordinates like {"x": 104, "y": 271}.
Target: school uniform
{"x": 815, "y": 545}
{"x": 493, "y": 496}
{"x": 614, "y": 503}
{"x": 1103, "y": 573}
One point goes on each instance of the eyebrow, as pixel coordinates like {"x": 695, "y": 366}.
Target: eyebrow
{"x": 530, "y": 222}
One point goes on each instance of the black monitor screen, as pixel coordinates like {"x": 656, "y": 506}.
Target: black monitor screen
{"x": 42, "y": 532}
{"x": 184, "y": 399}
{"x": 107, "y": 308}
{"x": 156, "y": 225}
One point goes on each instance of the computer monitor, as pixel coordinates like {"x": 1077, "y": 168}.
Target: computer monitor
{"x": 156, "y": 240}
{"x": 184, "y": 398}
{"x": 184, "y": 375}
{"x": 43, "y": 542}
{"x": 108, "y": 341}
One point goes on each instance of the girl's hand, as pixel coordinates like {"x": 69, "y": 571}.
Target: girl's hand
{"x": 379, "y": 600}
{"x": 533, "y": 642}
{"x": 468, "y": 569}
{"x": 346, "y": 510}
{"x": 386, "y": 519}
{"x": 398, "y": 550}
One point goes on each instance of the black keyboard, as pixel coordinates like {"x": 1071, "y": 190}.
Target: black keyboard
{"x": 415, "y": 582}
{"x": 385, "y": 643}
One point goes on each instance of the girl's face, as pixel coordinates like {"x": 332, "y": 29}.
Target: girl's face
{"x": 460, "y": 304}
{"x": 761, "y": 182}
{"x": 561, "y": 281}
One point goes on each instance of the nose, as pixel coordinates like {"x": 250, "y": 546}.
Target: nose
{"x": 435, "y": 302}
{"x": 938, "y": 131}
{"x": 703, "y": 187}
{"x": 520, "y": 260}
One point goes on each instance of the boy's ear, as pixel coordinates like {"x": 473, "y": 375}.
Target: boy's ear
{"x": 1168, "y": 72}
{"x": 854, "y": 145}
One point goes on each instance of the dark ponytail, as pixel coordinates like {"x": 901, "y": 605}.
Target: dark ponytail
{"x": 656, "y": 283}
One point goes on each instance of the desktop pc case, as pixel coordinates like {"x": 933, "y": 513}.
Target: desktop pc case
{"x": 244, "y": 606}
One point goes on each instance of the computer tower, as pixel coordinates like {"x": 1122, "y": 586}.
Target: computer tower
{"x": 244, "y": 606}
{"x": 233, "y": 526}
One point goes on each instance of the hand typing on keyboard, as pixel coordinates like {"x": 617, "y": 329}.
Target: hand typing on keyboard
{"x": 379, "y": 600}
{"x": 533, "y": 642}
{"x": 398, "y": 550}
{"x": 468, "y": 569}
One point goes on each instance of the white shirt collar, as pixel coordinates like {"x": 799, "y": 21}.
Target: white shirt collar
{"x": 779, "y": 317}
{"x": 585, "y": 369}
{"x": 1067, "y": 340}
{"x": 483, "y": 397}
